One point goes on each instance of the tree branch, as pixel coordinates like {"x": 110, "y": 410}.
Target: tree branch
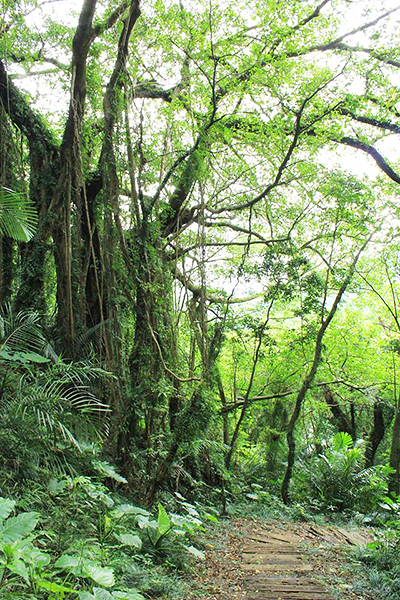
{"x": 198, "y": 291}
{"x": 99, "y": 28}
{"x": 370, "y": 51}
{"x": 21, "y": 114}
{"x": 334, "y": 43}
{"x": 368, "y": 149}
{"x": 263, "y": 398}
{"x": 385, "y": 125}
{"x": 298, "y": 130}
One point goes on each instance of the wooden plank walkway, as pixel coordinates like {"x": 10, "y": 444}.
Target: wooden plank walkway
{"x": 277, "y": 566}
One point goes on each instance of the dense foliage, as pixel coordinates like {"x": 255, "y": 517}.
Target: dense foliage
{"x": 199, "y": 274}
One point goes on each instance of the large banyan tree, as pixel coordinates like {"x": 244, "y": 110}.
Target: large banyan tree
{"x": 185, "y": 133}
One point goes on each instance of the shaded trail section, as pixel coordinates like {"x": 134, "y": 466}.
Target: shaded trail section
{"x": 278, "y": 566}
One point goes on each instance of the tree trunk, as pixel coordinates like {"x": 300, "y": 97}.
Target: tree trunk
{"x": 278, "y": 422}
{"x": 341, "y": 421}
{"x": 44, "y": 166}
{"x": 310, "y": 377}
{"x": 353, "y": 421}
{"x": 376, "y": 435}
{"x": 225, "y": 416}
{"x": 193, "y": 418}
{"x": 7, "y": 268}
{"x": 394, "y": 460}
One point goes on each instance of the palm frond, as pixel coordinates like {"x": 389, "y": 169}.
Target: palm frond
{"x": 82, "y": 400}
{"x": 20, "y": 331}
{"x": 342, "y": 441}
{"x": 18, "y": 216}
{"x": 79, "y": 373}
{"x": 91, "y": 339}
{"x": 58, "y": 408}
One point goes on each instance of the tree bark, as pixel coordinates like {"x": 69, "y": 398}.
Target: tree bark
{"x": 340, "y": 418}
{"x": 394, "y": 459}
{"x": 376, "y": 435}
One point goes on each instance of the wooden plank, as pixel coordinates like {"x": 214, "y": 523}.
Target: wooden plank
{"x": 278, "y": 582}
{"x": 277, "y": 567}
{"x": 281, "y": 567}
{"x": 275, "y": 554}
{"x": 281, "y": 558}
{"x": 273, "y": 547}
{"x": 286, "y": 538}
{"x": 354, "y": 537}
{"x": 284, "y": 581}
{"x": 286, "y": 588}
{"x": 289, "y": 596}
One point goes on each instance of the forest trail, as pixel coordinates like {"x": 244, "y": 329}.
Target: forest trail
{"x": 280, "y": 560}
{"x": 278, "y": 567}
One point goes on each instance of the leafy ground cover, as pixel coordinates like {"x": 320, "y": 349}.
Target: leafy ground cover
{"x": 118, "y": 552}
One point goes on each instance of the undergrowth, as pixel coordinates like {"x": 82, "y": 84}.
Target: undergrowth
{"x": 73, "y": 537}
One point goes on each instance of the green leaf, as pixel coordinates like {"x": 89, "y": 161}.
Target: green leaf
{"x": 6, "y": 507}
{"x": 190, "y": 509}
{"x": 108, "y": 471}
{"x": 211, "y": 517}
{"x": 128, "y": 539}
{"x": 56, "y": 486}
{"x": 4, "y": 355}
{"x": 32, "y": 357}
{"x": 100, "y": 594}
{"x": 23, "y": 357}
{"x": 17, "y": 215}
{"x": 342, "y": 441}
{"x": 66, "y": 561}
{"x": 18, "y": 567}
{"x": 16, "y": 528}
{"x": 145, "y": 523}
{"x": 101, "y": 575}
{"x": 252, "y": 496}
{"x": 129, "y": 509}
{"x": 55, "y": 588}
{"x": 164, "y": 522}
{"x": 8, "y": 550}
{"x": 195, "y": 551}
{"x": 131, "y": 595}
{"x": 37, "y": 558}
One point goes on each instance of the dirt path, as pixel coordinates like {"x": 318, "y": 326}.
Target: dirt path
{"x": 278, "y": 561}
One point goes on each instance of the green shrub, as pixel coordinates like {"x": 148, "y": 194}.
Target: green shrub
{"x": 337, "y": 481}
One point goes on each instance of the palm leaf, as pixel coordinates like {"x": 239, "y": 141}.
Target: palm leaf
{"x": 18, "y": 216}
{"x": 19, "y": 331}
{"x": 342, "y": 441}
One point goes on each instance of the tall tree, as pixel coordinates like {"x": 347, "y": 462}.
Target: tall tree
{"x": 192, "y": 132}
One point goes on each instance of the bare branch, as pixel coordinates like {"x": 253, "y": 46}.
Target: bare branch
{"x": 228, "y": 225}
{"x": 334, "y": 43}
{"x": 263, "y": 398}
{"x": 40, "y": 57}
{"x": 209, "y": 297}
{"x": 21, "y": 114}
{"x": 298, "y": 130}
{"x": 312, "y": 16}
{"x": 370, "y": 51}
{"x": 368, "y": 149}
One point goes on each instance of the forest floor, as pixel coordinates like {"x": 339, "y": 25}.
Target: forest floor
{"x": 279, "y": 560}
